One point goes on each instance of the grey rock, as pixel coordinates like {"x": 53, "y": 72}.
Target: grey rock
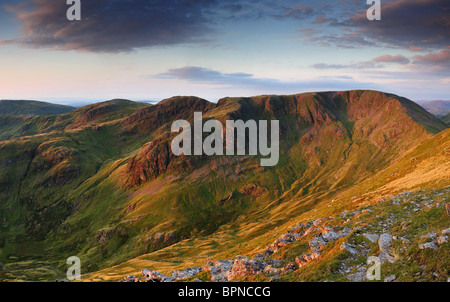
{"x": 349, "y": 248}
{"x": 384, "y": 243}
{"x": 219, "y": 269}
{"x": 187, "y": 273}
{"x": 372, "y": 237}
{"x": 359, "y": 276}
{"x": 442, "y": 239}
{"x": 390, "y": 278}
{"x": 330, "y": 236}
{"x": 155, "y": 276}
{"x": 431, "y": 236}
{"x": 385, "y": 256}
{"x": 428, "y": 245}
{"x": 316, "y": 243}
{"x": 274, "y": 262}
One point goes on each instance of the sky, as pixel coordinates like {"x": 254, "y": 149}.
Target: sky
{"x": 155, "y": 49}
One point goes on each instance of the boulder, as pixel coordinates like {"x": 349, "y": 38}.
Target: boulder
{"x": 358, "y": 276}
{"x": 372, "y": 237}
{"x": 349, "y": 247}
{"x": 316, "y": 243}
{"x": 330, "y": 236}
{"x": 384, "y": 243}
{"x": 390, "y": 278}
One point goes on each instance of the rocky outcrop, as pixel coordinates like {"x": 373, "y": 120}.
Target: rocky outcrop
{"x": 253, "y": 190}
{"x": 219, "y": 269}
{"x": 154, "y": 276}
{"x": 187, "y": 273}
{"x": 103, "y": 236}
{"x": 243, "y": 267}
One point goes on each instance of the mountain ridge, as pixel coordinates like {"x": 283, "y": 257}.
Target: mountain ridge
{"x": 100, "y": 182}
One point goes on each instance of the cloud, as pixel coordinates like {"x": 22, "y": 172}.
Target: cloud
{"x": 437, "y": 62}
{"x": 405, "y": 24}
{"x": 330, "y": 66}
{"x": 121, "y": 26}
{"x": 408, "y": 23}
{"x": 297, "y": 12}
{"x": 203, "y": 75}
{"x": 112, "y": 25}
{"x": 392, "y": 59}
{"x": 200, "y": 75}
{"x": 442, "y": 57}
{"x": 378, "y": 62}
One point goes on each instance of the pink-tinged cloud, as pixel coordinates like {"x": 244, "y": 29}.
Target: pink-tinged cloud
{"x": 442, "y": 57}
{"x": 392, "y": 59}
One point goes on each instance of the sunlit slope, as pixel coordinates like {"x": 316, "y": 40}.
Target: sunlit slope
{"x": 425, "y": 168}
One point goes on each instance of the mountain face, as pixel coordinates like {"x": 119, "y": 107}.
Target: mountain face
{"x": 20, "y": 107}
{"x": 101, "y": 183}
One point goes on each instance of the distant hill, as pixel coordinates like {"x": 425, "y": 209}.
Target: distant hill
{"x": 446, "y": 119}
{"x": 14, "y": 125}
{"x": 20, "y": 107}
{"x": 438, "y": 108}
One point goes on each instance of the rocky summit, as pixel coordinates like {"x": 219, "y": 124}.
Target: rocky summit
{"x": 360, "y": 193}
